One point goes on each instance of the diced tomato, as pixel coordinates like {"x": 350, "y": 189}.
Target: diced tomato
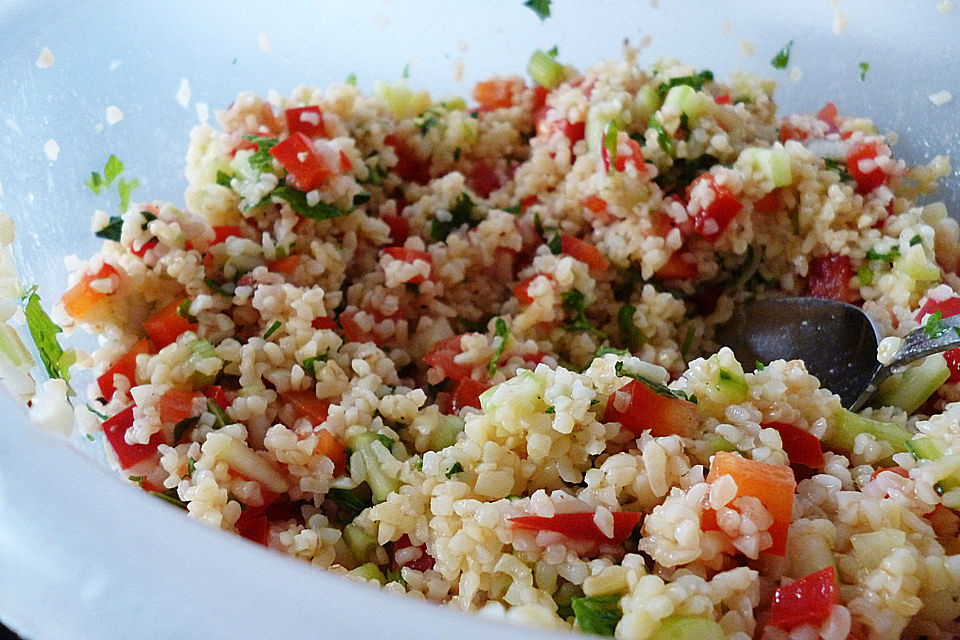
{"x": 712, "y": 220}
{"x": 829, "y": 115}
{"x": 583, "y": 251}
{"x": 423, "y": 563}
{"x": 494, "y": 94}
{"x": 306, "y": 120}
{"x": 243, "y": 145}
{"x": 268, "y": 121}
{"x": 801, "y": 447}
{"x": 482, "y": 179}
{"x": 678, "y": 266}
{"x": 520, "y": 291}
{"x": 324, "y": 323}
{"x": 573, "y": 131}
{"x": 594, "y": 203}
{"x": 773, "y": 485}
{"x": 126, "y": 365}
{"x": 629, "y": 151}
{"x": 352, "y": 330}
{"x": 444, "y": 402}
{"x": 768, "y": 203}
{"x": 217, "y": 394}
{"x": 947, "y": 308}
{"x": 579, "y": 526}
{"x": 442, "y": 355}
{"x": 176, "y": 404}
{"x": 410, "y": 255}
{"x": 829, "y": 277}
{"x": 224, "y": 231}
{"x": 410, "y": 166}
{"x": 806, "y": 600}
{"x": 345, "y": 164}
{"x": 791, "y": 132}
{"x": 81, "y": 299}
{"x": 329, "y": 446}
{"x": 146, "y": 246}
{"x": 724, "y": 99}
{"x": 646, "y": 409}
{"x": 114, "y": 430}
{"x": 399, "y": 229}
{"x": 527, "y": 202}
{"x": 306, "y": 404}
{"x": 866, "y": 181}
{"x": 285, "y": 265}
{"x": 165, "y": 326}
{"x": 301, "y": 158}
{"x": 467, "y": 393}
{"x": 539, "y": 97}
{"x": 254, "y": 528}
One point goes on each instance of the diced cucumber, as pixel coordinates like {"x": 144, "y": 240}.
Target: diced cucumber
{"x": 201, "y": 350}
{"x": 688, "y": 628}
{"x": 923, "y": 448}
{"x": 402, "y": 101}
{"x": 646, "y": 102}
{"x": 380, "y": 482}
{"x": 360, "y": 542}
{"x": 910, "y": 389}
{"x": 720, "y": 443}
{"x": 369, "y": 571}
{"x": 446, "y": 433}
{"x": 772, "y": 163}
{"x": 686, "y": 100}
{"x": 729, "y": 381}
{"x": 545, "y": 70}
{"x": 806, "y": 554}
{"x": 872, "y": 547}
{"x": 850, "y": 425}
{"x": 525, "y": 390}
{"x": 12, "y": 349}
{"x": 599, "y": 122}
{"x": 914, "y": 263}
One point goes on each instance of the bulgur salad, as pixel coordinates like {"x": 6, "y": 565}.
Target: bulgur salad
{"x": 466, "y": 351}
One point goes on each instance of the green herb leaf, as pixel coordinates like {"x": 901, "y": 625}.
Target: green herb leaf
{"x": 551, "y": 410}
{"x": 915, "y": 240}
{"x": 221, "y": 417}
{"x": 310, "y": 364}
{"x": 688, "y": 342}
{"x": 503, "y": 332}
{"x": 385, "y": 440}
{"x": 555, "y": 244}
{"x": 782, "y": 59}
{"x": 96, "y": 413}
{"x": 170, "y": 496}
{"x": 183, "y": 311}
{"x": 44, "y": 332}
{"x": 352, "y": 80}
{"x": 112, "y": 169}
{"x": 599, "y": 614}
{"x": 261, "y": 160}
{"x": 573, "y": 303}
{"x": 865, "y": 274}
{"x": 539, "y": 7}
{"x": 864, "y": 67}
{"x": 683, "y": 171}
{"x": 454, "y": 469}
{"x": 891, "y": 254}
{"x": 191, "y": 468}
{"x": 463, "y": 212}
{"x": 663, "y": 139}
{"x": 361, "y": 198}
{"x": 839, "y": 166}
{"x": 123, "y": 189}
{"x": 935, "y": 326}
{"x": 656, "y": 387}
{"x": 375, "y": 175}
{"x": 610, "y": 134}
{"x": 758, "y": 366}
{"x": 182, "y": 427}
{"x": 515, "y": 210}
{"x": 348, "y": 500}
{"x": 629, "y": 333}
{"x": 112, "y": 229}
{"x": 695, "y": 81}
{"x": 216, "y": 287}
{"x": 95, "y": 182}
{"x": 90, "y": 437}
{"x": 273, "y": 327}
{"x": 298, "y": 202}
{"x": 223, "y": 178}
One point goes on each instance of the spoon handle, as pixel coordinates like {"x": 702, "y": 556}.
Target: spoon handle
{"x": 917, "y": 344}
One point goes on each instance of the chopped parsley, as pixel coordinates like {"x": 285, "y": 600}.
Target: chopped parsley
{"x": 112, "y": 229}
{"x": 272, "y": 329}
{"x": 839, "y": 166}
{"x": 183, "y": 311}
{"x": 90, "y": 437}
{"x": 123, "y": 189}
{"x": 44, "y": 332}
{"x": 454, "y": 469}
{"x": 688, "y": 342}
{"x": 915, "y": 240}
{"x": 629, "y": 333}
{"x": 935, "y": 326}
{"x": 96, "y": 413}
{"x": 865, "y": 274}
{"x": 539, "y": 7}
{"x": 111, "y": 170}
{"x": 758, "y": 366}
{"x": 375, "y": 175}
{"x": 385, "y": 440}
{"x": 261, "y": 160}
{"x": 598, "y": 614}
{"x": 348, "y": 500}
{"x": 221, "y": 417}
{"x": 782, "y": 59}
{"x": 310, "y": 364}
{"x": 462, "y": 212}
{"x": 610, "y": 135}
{"x": 351, "y": 80}
{"x": 361, "y": 198}
{"x": 426, "y": 121}
{"x": 864, "y": 67}
{"x": 573, "y": 303}
{"x": 223, "y": 178}
{"x": 656, "y": 387}
{"x": 695, "y": 82}
{"x": 191, "y": 468}
{"x": 682, "y": 172}
{"x": 502, "y": 331}
{"x": 170, "y": 496}
{"x": 298, "y": 202}
{"x": 216, "y": 287}
{"x": 182, "y": 427}
{"x": 551, "y": 410}
{"x": 891, "y": 253}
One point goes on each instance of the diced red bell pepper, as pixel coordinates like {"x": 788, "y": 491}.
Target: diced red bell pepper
{"x": 255, "y": 528}
{"x": 306, "y": 120}
{"x": 324, "y": 323}
{"x": 646, "y": 409}
{"x": 328, "y": 445}
{"x": 768, "y": 203}
{"x": 829, "y": 115}
{"x": 494, "y": 94}
{"x": 410, "y": 166}
{"x": 223, "y": 231}
{"x": 306, "y": 404}
{"x": 678, "y": 266}
{"x": 520, "y": 291}
{"x": 584, "y": 252}
{"x": 947, "y": 308}
{"x": 410, "y": 255}
{"x": 442, "y": 355}
{"x": 712, "y": 220}
{"x": 773, "y": 485}
{"x": 176, "y": 404}
{"x": 580, "y": 526}
{"x": 806, "y": 600}
{"x": 866, "y": 181}
{"x": 165, "y": 326}
{"x": 423, "y": 563}
{"x": 482, "y": 179}
{"x": 829, "y": 277}
{"x": 285, "y": 265}
{"x": 146, "y": 246}
{"x": 81, "y": 299}
{"x": 217, "y": 394}
{"x": 126, "y": 365}
{"x": 801, "y": 447}
{"x": 301, "y": 158}
{"x": 399, "y": 229}
{"x": 724, "y": 99}
{"x": 467, "y": 393}
{"x": 114, "y": 430}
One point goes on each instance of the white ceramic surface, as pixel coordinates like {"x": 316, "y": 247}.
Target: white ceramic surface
{"x": 83, "y": 555}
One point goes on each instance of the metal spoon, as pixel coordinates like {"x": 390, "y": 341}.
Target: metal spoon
{"x": 837, "y": 342}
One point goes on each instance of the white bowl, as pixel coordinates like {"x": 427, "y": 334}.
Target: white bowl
{"x": 84, "y": 555}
